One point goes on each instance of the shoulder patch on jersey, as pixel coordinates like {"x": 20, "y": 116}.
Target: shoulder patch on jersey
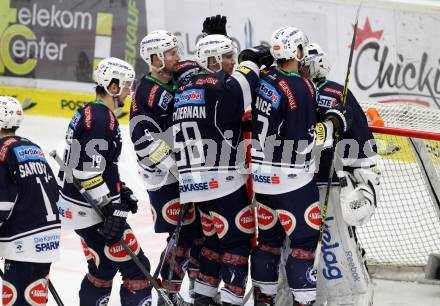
{"x": 88, "y": 117}
{"x": 112, "y": 120}
{"x": 288, "y": 93}
{"x": 165, "y": 99}
{"x": 152, "y": 95}
{"x": 25, "y": 153}
{"x": 190, "y": 97}
{"x": 269, "y": 93}
{"x": 333, "y": 91}
{"x": 243, "y": 69}
{"x": 75, "y": 120}
{"x": 327, "y": 101}
{"x": 309, "y": 87}
{"x": 5, "y": 147}
{"x": 207, "y": 81}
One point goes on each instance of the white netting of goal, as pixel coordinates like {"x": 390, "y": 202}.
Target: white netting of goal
{"x": 406, "y": 226}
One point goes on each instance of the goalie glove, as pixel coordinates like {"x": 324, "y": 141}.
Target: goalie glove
{"x": 359, "y": 193}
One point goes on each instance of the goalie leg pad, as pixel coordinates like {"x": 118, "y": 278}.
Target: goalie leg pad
{"x": 342, "y": 273}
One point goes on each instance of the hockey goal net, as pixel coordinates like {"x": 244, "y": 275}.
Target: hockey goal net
{"x": 406, "y": 226}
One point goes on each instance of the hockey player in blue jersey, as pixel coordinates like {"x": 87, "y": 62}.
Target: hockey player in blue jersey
{"x": 29, "y": 222}
{"x": 353, "y": 194}
{"x": 207, "y": 137}
{"x": 286, "y": 130}
{"x": 150, "y": 117}
{"x": 93, "y": 147}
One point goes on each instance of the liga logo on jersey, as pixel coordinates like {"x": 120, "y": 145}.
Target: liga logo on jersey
{"x": 267, "y": 217}
{"x": 165, "y": 99}
{"x": 312, "y": 215}
{"x": 190, "y": 97}
{"x": 207, "y": 224}
{"x": 89, "y": 253}
{"x": 245, "y": 220}
{"x": 221, "y": 225}
{"x": 287, "y": 220}
{"x": 116, "y": 251}
{"x": 25, "y": 153}
{"x": 9, "y": 294}
{"x": 171, "y": 209}
{"x": 36, "y": 292}
{"x": 269, "y": 93}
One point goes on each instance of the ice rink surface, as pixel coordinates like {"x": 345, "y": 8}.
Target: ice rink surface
{"x": 66, "y": 275}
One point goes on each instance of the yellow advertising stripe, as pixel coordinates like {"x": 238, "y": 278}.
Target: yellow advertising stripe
{"x": 56, "y": 103}
{"x": 93, "y": 182}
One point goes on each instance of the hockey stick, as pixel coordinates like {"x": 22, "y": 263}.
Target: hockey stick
{"x": 174, "y": 247}
{"x": 52, "y": 290}
{"x": 331, "y": 171}
{"x": 127, "y": 249}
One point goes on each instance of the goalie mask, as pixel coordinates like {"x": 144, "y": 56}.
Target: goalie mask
{"x": 316, "y": 62}
{"x": 157, "y": 43}
{"x": 11, "y": 113}
{"x": 285, "y": 43}
{"x": 113, "y": 68}
{"x": 213, "y": 46}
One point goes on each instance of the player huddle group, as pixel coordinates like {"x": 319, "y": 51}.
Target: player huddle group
{"x": 187, "y": 131}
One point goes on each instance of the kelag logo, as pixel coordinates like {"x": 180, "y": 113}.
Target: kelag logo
{"x": 64, "y": 40}
{"x": 391, "y": 75}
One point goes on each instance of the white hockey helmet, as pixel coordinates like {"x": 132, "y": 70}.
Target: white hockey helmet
{"x": 157, "y": 42}
{"x": 213, "y": 46}
{"x": 285, "y": 42}
{"x": 114, "y": 68}
{"x": 11, "y": 113}
{"x": 317, "y": 61}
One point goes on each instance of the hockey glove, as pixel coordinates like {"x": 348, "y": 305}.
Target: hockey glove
{"x": 215, "y": 25}
{"x": 260, "y": 55}
{"x": 129, "y": 198}
{"x": 114, "y": 223}
{"x": 358, "y": 196}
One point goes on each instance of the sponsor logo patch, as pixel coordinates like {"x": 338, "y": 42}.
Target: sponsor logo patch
{"x": 327, "y": 102}
{"x": 221, "y": 225}
{"x": 170, "y": 212}
{"x": 89, "y": 253}
{"x": 267, "y": 217}
{"x": 9, "y": 294}
{"x": 25, "y": 153}
{"x": 245, "y": 220}
{"x": 152, "y": 95}
{"x": 312, "y": 215}
{"x": 116, "y": 251}
{"x": 269, "y": 93}
{"x": 266, "y": 179}
{"x": 36, "y": 292}
{"x": 207, "y": 224}
{"x": 75, "y": 120}
{"x": 287, "y": 220}
{"x": 47, "y": 243}
{"x": 190, "y": 97}
{"x": 4, "y": 148}
{"x": 288, "y": 92}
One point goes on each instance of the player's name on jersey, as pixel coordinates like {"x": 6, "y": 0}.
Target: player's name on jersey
{"x": 32, "y": 168}
{"x": 188, "y": 112}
